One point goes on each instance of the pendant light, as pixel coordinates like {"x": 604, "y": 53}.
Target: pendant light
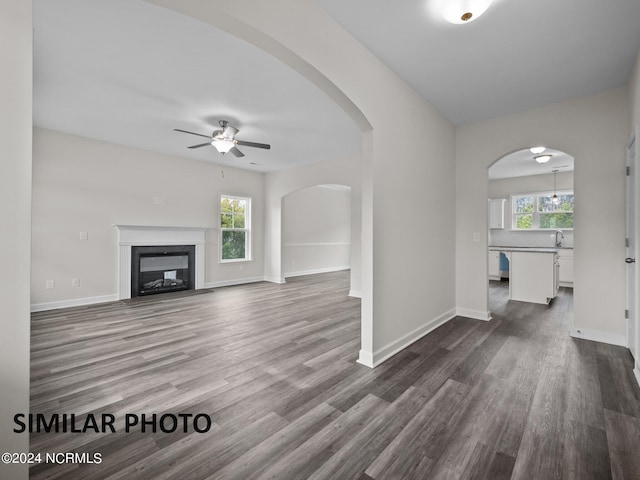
{"x": 555, "y": 200}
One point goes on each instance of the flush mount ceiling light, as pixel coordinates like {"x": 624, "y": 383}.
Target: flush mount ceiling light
{"x": 542, "y": 158}
{"x": 463, "y": 11}
{"x": 537, "y": 150}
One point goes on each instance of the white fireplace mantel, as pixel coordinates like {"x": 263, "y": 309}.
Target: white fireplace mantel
{"x": 148, "y": 235}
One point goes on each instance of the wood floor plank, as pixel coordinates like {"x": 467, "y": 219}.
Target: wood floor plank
{"x": 426, "y": 434}
{"x": 623, "y": 436}
{"x": 308, "y": 457}
{"x": 274, "y": 367}
{"x": 541, "y": 451}
{"x": 586, "y": 453}
{"x": 368, "y": 444}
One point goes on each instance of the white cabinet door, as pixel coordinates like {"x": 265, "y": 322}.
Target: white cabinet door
{"x": 496, "y": 212}
{"x": 494, "y": 265}
{"x": 565, "y": 259}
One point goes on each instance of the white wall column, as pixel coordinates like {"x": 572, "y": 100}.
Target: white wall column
{"x": 16, "y": 58}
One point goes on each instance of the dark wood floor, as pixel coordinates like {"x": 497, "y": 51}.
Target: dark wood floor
{"x": 274, "y": 367}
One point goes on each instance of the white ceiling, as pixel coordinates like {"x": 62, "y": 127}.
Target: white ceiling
{"x": 129, "y": 72}
{"x": 522, "y": 164}
{"x": 520, "y": 54}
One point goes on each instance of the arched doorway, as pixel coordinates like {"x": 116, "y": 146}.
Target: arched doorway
{"x": 316, "y": 230}
{"x": 531, "y": 209}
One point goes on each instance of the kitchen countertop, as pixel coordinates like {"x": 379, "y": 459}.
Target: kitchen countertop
{"x": 526, "y": 249}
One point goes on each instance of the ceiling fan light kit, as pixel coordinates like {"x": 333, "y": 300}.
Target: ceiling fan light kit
{"x": 222, "y": 145}
{"x": 224, "y": 141}
{"x": 463, "y": 11}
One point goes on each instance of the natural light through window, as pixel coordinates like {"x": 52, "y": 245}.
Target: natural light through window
{"x": 537, "y": 211}
{"x": 235, "y": 228}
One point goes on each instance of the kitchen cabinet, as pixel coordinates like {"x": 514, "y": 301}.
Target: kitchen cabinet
{"x": 565, "y": 267}
{"x": 534, "y": 276}
{"x": 494, "y": 265}
{"x": 496, "y": 213}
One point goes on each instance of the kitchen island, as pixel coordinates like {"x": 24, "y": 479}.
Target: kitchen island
{"x": 533, "y": 273}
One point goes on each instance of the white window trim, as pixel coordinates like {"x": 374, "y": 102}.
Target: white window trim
{"x": 248, "y": 247}
{"x": 536, "y": 214}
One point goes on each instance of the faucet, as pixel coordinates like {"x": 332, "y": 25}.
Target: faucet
{"x": 559, "y": 238}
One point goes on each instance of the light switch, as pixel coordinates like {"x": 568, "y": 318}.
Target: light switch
{"x": 476, "y": 236}
{"x": 84, "y": 235}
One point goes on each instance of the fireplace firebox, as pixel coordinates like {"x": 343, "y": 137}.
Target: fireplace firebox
{"x": 161, "y": 269}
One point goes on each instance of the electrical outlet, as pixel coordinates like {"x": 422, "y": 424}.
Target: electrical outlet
{"x": 157, "y": 200}
{"x": 50, "y": 284}
{"x": 476, "y": 237}
{"x": 84, "y": 236}
{"x": 75, "y": 282}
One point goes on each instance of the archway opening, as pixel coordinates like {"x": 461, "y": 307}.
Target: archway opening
{"x": 531, "y": 206}
{"x": 316, "y": 230}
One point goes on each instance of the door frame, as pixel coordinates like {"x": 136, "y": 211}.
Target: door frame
{"x": 633, "y": 181}
{"x": 631, "y": 247}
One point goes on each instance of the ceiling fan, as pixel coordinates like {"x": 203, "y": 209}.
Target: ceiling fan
{"x": 225, "y": 140}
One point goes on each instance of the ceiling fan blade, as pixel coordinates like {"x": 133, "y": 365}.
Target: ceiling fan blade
{"x": 253, "y": 144}
{"x": 200, "y": 145}
{"x": 236, "y": 152}
{"x": 192, "y": 133}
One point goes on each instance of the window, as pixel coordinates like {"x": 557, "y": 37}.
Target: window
{"x": 235, "y": 229}
{"x": 536, "y": 211}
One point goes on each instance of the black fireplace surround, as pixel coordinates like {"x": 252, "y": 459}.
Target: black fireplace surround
{"x": 162, "y": 268}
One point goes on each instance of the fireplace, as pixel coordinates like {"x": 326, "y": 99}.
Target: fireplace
{"x": 155, "y": 240}
{"x": 161, "y": 269}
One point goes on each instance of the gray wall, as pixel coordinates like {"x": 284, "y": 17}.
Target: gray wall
{"x": 595, "y": 131}
{"x": 317, "y": 230}
{"x": 83, "y": 185}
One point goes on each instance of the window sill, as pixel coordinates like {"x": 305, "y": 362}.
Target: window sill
{"x": 239, "y": 260}
{"x": 538, "y": 230}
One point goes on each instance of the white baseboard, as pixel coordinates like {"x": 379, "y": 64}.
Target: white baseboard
{"x": 598, "y": 336}
{"x": 366, "y": 359}
{"x": 274, "y": 279}
{"x": 75, "y": 302}
{"x": 355, "y": 293}
{"x": 475, "y": 314}
{"x": 78, "y": 302}
{"x": 237, "y": 281}
{"x": 317, "y": 270}
{"x": 392, "y": 348}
